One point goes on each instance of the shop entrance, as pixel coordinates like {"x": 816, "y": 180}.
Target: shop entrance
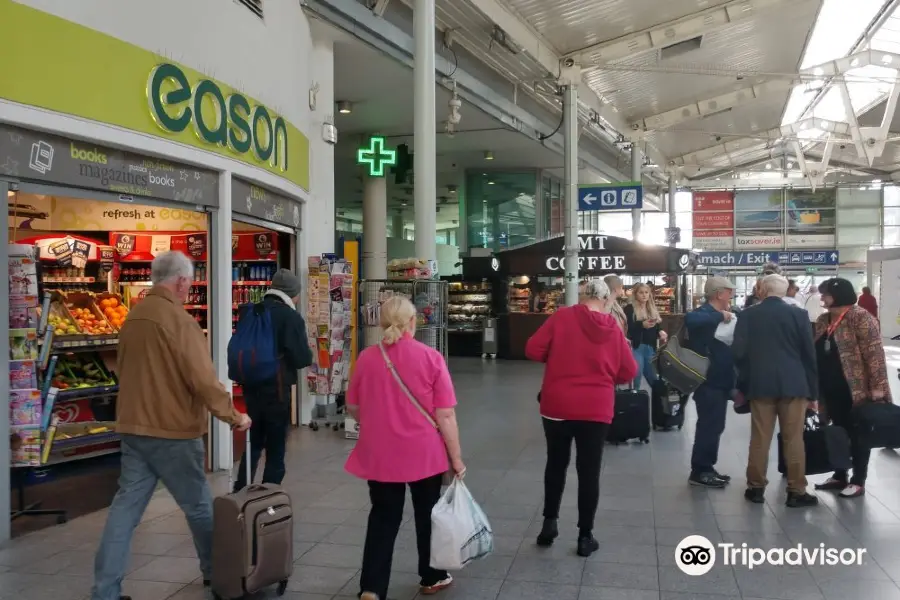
{"x": 79, "y": 262}
{"x": 259, "y": 249}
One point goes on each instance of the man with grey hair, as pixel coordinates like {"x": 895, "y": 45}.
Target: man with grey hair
{"x": 711, "y": 398}
{"x": 774, "y": 352}
{"x": 167, "y": 386}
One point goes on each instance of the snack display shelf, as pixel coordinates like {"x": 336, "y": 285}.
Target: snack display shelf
{"x": 241, "y": 283}
{"x": 70, "y": 457}
{"x": 84, "y": 342}
{"x": 65, "y": 280}
{"x": 78, "y": 441}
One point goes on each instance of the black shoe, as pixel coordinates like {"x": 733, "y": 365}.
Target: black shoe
{"x": 548, "y": 534}
{"x": 795, "y": 500}
{"x": 587, "y": 545}
{"x": 725, "y": 478}
{"x": 832, "y": 484}
{"x": 707, "y": 480}
{"x": 755, "y": 495}
{"x": 207, "y": 583}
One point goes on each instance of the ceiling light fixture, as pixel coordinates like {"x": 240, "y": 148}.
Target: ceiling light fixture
{"x": 490, "y": 183}
{"x": 344, "y": 107}
{"x": 488, "y": 155}
{"x": 768, "y": 165}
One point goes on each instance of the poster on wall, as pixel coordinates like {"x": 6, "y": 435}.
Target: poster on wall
{"x": 889, "y": 311}
{"x": 758, "y": 220}
{"x": 811, "y": 218}
{"x": 713, "y": 220}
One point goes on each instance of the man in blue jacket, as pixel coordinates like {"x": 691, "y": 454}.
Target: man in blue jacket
{"x": 712, "y": 397}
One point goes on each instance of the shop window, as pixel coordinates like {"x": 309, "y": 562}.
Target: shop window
{"x": 892, "y": 236}
{"x": 687, "y": 239}
{"x": 500, "y": 208}
{"x": 684, "y": 202}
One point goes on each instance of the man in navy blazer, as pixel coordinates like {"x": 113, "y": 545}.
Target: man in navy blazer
{"x": 774, "y": 353}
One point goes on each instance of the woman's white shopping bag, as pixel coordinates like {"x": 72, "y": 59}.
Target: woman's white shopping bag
{"x": 725, "y": 331}
{"x": 460, "y": 531}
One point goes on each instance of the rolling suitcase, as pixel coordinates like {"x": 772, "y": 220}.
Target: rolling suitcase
{"x": 666, "y": 407}
{"x": 253, "y": 539}
{"x": 631, "y": 417}
{"x": 827, "y": 448}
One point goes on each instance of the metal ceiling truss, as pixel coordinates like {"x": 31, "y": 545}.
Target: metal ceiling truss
{"x": 604, "y": 117}
{"x": 814, "y": 171}
{"x": 675, "y": 31}
{"x": 760, "y": 140}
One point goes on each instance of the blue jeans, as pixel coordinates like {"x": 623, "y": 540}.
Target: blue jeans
{"x": 179, "y": 464}
{"x": 643, "y": 356}
{"x": 712, "y": 408}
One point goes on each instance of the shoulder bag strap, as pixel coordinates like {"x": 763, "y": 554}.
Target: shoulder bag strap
{"x": 409, "y": 395}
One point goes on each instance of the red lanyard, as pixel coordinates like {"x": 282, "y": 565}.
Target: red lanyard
{"x": 832, "y": 326}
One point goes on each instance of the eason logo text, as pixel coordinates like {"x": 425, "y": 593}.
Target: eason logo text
{"x": 695, "y": 555}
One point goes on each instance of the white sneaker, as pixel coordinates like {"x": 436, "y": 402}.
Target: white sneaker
{"x": 853, "y": 491}
{"x": 428, "y": 590}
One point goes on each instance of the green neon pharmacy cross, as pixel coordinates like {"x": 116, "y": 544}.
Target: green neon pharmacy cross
{"x": 376, "y": 156}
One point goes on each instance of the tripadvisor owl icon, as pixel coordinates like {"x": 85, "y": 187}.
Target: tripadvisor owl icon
{"x": 695, "y": 555}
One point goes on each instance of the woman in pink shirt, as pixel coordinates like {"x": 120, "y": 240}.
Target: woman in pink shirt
{"x": 407, "y": 436}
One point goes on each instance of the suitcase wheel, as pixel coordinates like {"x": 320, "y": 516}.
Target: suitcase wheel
{"x": 282, "y": 587}
{"x": 679, "y": 427}
{"x": 646, "y": 440}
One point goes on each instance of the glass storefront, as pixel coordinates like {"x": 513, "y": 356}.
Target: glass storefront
{"x": 501, "y": 208}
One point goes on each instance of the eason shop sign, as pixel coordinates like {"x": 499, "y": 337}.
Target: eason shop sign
{"x": 145, "y": 93}
{"x": 251, "y": 200}
{"x": 39, "y": 156}
{"x": 228, "y": 122}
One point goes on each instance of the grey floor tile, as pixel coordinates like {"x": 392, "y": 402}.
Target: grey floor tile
{"x": 601, "y": 593}
{"x": 720, "y": 580}
{"x": 347, "y": 536}
{"x": 546, "y": 570}
{"x": 529, "y": 590}
{"x": 859, "y": 588}
{"x": 626, "y": 553}
{"x": 637, "y": 577}
{"x": 149, "y": 590}
{"x": 332, "y": 555}
{"x": 490, "y": 567}
{"x": 782, "y": 582}
{"x": 695, "y": 596}
{"x": 320, "y": 580}
{"x": 169, "y": 569}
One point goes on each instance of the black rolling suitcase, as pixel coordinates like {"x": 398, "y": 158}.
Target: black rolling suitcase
{"x": 631, "y": 417}
{"x": 666, "y": 407}
{"x": 827, "y": 447}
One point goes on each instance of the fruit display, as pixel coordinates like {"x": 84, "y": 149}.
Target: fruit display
{"x": 81, "y": 371}
{"x": 60, "y": 322}
{"x": 89, "y": 322}
{"x": 113, "y": 309}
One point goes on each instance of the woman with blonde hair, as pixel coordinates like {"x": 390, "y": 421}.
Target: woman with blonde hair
{"x": 402, "y": 397}
{"x": 616, "y": 291}
{"x": 643, "y": 330}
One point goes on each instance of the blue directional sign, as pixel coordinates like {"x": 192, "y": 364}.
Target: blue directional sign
{"x": 612, "y": 196}
{"x": 787, "y": 258}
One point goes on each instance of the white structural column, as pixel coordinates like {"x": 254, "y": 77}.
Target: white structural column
{"x": 425, "y": 131}
{"x": 672, "y": 221}
{"x": 374, "y": 237}
{"x": 397, "y": 226}
{"x": 220, "y": 308}
{"x": 570, "y": 208}
{"x": 635, "y": 176}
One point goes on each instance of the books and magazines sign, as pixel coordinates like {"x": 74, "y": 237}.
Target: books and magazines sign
{"x": 713, "y": 220}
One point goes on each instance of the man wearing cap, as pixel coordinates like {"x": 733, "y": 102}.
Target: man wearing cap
{"x": 269, "y": 404}
{"x": 711, "y": 398}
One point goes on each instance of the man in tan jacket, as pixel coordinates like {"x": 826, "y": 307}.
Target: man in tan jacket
{"x": 167, "y": 383}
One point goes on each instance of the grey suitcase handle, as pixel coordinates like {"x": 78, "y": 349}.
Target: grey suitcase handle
{"x": 247, "y": 461}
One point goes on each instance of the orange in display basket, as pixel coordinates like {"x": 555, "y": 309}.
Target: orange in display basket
{"x": 114, "y": 312}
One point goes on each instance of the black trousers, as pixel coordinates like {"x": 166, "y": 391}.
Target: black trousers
{"x": 589, "y": 439}
{"x": 839, "y": 406}
{"x": 268, "y": 432}
{"x": 385, "y": 518}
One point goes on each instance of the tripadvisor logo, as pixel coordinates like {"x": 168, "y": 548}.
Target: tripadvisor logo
{"x": 227, "y": 122}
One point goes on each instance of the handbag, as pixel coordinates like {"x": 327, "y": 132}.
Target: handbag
{"x": 877, "y": 424}
{"x": 683, "y": 369}
{"x": 449, "y": 475}
{"x": 827, "y": 447}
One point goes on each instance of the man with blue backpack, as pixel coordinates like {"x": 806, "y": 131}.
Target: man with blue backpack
{"x": 265, "y": 353}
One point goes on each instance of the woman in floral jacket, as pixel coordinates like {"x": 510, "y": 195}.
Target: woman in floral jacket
{"x": 852, "y": 370}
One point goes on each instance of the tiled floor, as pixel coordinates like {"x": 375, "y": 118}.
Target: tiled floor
{"x": 645, "y": 510}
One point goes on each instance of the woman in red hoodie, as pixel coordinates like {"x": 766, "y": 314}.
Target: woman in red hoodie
{"x": 586, "y": 355}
